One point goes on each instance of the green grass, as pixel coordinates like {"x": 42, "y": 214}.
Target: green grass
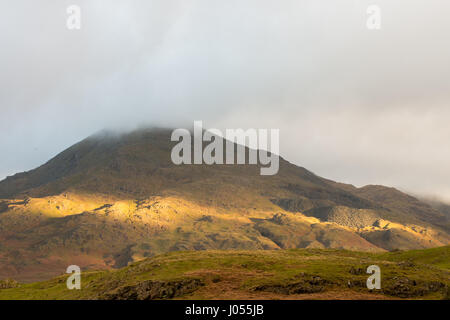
{"x": 439, "y": 257}
{"x": 257, "y": 268}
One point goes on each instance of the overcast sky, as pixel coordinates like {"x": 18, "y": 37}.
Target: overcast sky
{"x": 354, "y": 105}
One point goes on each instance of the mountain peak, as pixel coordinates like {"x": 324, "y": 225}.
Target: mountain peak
{"x": 117, "y": 197}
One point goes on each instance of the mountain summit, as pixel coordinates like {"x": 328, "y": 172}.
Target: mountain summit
{"x": 116, "y": 198}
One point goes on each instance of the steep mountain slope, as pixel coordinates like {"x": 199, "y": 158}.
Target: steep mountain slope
{"x": 441, "y": 206}
{"x": 112, "y": 199}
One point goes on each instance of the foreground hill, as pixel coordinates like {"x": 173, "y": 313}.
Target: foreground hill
{"x": 114, "y": 199}
{"x": 280, "y": 274}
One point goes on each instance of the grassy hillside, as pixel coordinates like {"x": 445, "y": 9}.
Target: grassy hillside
{"x": 279, "y": 274}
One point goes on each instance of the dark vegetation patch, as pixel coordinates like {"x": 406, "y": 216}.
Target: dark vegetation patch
{"x": 151, "y": 290}
{"x": 105, "y": 206}
{"x": 404, "y": 287}
{"x": 206, "y": 219}
{"x": 309, "y": 284}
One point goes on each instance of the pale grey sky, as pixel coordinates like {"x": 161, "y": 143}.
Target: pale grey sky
{"x": 354, "y": 105}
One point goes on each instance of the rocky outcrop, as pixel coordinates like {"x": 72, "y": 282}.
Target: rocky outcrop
{"x": 8, "y": 284}
{"x": 345, "y": 216}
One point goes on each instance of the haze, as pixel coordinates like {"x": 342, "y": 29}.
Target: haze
{"x": 354, "y": 105}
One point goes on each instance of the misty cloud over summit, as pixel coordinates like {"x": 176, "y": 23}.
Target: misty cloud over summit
{"x": 359, "y": 106}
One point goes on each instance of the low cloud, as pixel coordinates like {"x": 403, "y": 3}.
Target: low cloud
{"x": 351, "y": 104}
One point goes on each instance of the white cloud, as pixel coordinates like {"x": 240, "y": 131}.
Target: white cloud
{"x": 355, "y": 105}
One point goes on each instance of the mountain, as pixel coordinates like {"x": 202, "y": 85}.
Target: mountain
{"x": 112, "y": 199}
